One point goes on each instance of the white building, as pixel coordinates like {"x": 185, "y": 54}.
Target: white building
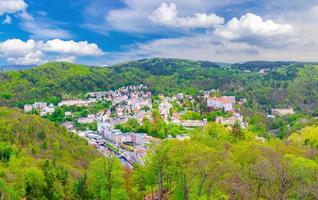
{"x": 190, "y": 123}
{"x": 282, "y": 112}
{"x": 78, "y": 102}
{"x": 39, "y": 105}
{"x": 236, "y": 118}
{"x": 27, "y": 108}
{"x": 225, "y": 103}
{"x": 164, "y": 109}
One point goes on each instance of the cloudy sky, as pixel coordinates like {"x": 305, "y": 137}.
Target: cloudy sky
{"x": 111, "y": 31}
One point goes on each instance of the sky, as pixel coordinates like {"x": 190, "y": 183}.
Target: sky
{"x": 103, "y": 32}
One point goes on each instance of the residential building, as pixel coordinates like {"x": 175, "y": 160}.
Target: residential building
{"x": 225, "y": 103}
{"x": 236, "y": 118}
{"x": 283, "y": 112}
{"x": 164, "y": 109}
{"x": 191, "y": 123}
{"x": 27, "y": 108}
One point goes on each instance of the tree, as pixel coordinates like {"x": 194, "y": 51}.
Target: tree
{"x": 159, "y": 159}
{"x": 35, "y": 184}
{"x": 106, "y": 179}
{"x": 80, "y": 189}
{"x": 6, "y": 151}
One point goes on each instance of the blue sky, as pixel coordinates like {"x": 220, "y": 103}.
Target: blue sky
{"x": 102, "y": 32}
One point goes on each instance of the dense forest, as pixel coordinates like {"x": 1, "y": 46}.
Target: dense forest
{"x": 39, "y": 159}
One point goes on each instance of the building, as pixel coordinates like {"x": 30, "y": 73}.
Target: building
{"x": 225, "y": 103}
{"x": 282, "y": 112}
{"x": 47, "y": 110}
{"x": 236, "y": 118}
{"x": 27, "y": 108}
{"x": 68, "y": 113}
{"x": 39, "y": 105}
{"x": 164, "y": 109}
{"x": 191, "y": 123}
{"x": 78, "y": 102}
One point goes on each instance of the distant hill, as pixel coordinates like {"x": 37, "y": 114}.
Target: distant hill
{"x": 52, "y": 82}
{"x": 256, "y": 65}
{"x": 165, "y": 66}
{"x": 15, "y": 67}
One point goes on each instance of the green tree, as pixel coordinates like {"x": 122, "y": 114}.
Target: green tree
{"x": 106, "y": 179}
{"x": 35, "y": 184}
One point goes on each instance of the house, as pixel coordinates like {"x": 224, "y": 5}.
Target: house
{"x": 282, "y": 112}
{"x": 225, "y": 103}
{"x": 261, "y": 71}
{"x": 164, "y": 109}
{"x": 47, "y": 110}
{"x": 39, "y": 105}
{"x": 78, "y": 102}
{"x": 68, "y": 113}
{"x": 27, "y": 108}
{"x": 236, "y": 118}
{"x": 190, "y": 123}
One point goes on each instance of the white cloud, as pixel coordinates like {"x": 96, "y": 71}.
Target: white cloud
{"x": 44, "y": 30}
{"x": 12, "y": 6}
{"x": 7, "y": 20}
{"x": 252, "y": 28}
{"x": 25, "y": 16}
{"x": 17, "y": 51}
{"x": 168, "y": 15}
{"x": 82, "y": 48}
{"x": 133, "y": 16}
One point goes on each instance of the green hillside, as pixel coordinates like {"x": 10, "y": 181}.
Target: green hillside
{"x": 285, "y": 86}
{"x": 38, "y": 159}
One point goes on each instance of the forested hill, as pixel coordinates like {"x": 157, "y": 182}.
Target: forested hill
{"x": 257, "y": 65}
{"x": 39, "y": 160}
{"x": 289, "y": 85}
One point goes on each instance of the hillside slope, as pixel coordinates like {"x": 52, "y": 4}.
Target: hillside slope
{"x": 37, "y": 153}
{"x": 51, "y": 82}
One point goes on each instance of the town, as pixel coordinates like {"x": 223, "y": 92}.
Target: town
{"x": 101, "y": 125}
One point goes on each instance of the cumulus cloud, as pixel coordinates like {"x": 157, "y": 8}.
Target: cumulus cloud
{"x": 7, "y": 20}
{"x": 254, "y": 29}
{"x": 12, "y": 6}
{"x": 134, "y": 15}
{"x": 168, "y": 15}
{"x": 82, "y": 48}
{"x": 17, "y": 51}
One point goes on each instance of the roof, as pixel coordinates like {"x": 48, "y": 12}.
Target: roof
{"x": 224, "y": 99}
